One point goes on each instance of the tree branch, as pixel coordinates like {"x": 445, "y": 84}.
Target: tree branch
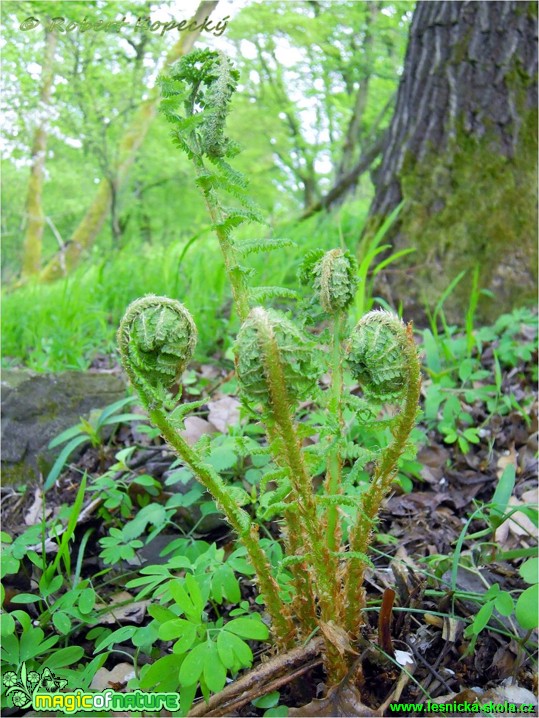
{"x": 348, "y": 180}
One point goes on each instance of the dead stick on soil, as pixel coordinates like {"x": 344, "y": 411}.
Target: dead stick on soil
{"x": 261, "y": 680}
{"x": 258, "y": 691}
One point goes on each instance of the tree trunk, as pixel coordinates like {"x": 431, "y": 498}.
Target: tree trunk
{"x": 92, "y": 222}
{"x": 461, "y": 153}
{"x": 35, "y": 218}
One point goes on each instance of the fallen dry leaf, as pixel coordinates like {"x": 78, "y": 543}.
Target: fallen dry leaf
{"x": 342, "y": 700}
{"x": 530, "y": 497}
{"x": 224, "y": 412}
{"x": 518, "y": 524}
{"x": 433, "y": 460}
{"x": 510, "y": 693}
{"x": 132, "y": 612}
{"x": 507, "y": 459}
{"x": 337, "y": 636}
{"x": 35, "y": 512}
{"x": 120, "y": 674}
{"x": 506, "y": 692}
{"x": 195, "y": 427}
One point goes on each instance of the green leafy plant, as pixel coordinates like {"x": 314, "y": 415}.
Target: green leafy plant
{"x": 515, "y": 605}
{"x": 459, "y": 379}
{"x": 186, "y": 614}
{"x": 87, "y": 431}
{"x": 278, "y": 365}
{"x": 526, "y": 606}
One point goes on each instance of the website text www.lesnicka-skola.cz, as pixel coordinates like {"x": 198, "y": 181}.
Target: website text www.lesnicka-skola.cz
{"x": 464, "y": 708}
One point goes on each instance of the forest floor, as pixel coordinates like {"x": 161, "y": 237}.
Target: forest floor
{"x": 440, "y": 551}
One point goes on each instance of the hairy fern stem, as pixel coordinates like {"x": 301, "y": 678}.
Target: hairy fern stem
{"x": 333, "y": 483}
{"x": 157, "y": 332}
{"x": 386, "y": 467}
{"x": 236, "y": 278}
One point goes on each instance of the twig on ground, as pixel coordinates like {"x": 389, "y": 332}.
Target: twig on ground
{"x": 265, "y": 678}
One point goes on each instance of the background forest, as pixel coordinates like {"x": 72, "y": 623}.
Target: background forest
{"x": 402, "y": 133}
{"x": 91, "y": 185}
{"x": 318, "y": 85}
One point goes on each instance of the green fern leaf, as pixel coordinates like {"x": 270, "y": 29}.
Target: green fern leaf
{"x": 277, "y": 475}
{"x": 177, "y": 416}
{"x": 259, "y": 294}
{"x": 253, "y": 246}
{"x": 233, "y": 176}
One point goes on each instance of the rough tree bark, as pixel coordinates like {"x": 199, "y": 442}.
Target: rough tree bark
{"x": 35, "y": 218}
{"x": 461, "y": 152}
{"x": 92, "y": 222}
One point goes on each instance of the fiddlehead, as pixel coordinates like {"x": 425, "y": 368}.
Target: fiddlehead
{"x": 383, "y": 357}
{"x": 157, "y": 338}
{"x": 378, "y": 355}
{"x": 333, "y": 276}
{"x": 296, "y": 359}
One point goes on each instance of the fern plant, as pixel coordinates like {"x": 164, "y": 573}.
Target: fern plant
{"x": 279, "y": 365}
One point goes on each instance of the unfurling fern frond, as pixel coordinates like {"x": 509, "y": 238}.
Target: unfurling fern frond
{"x": 157, "y": 337}
{"x": 296, "y": 358}
{"x": 377, "y": 356}
{"x": 205, "y": 81}
{"x": 333, "y": 276}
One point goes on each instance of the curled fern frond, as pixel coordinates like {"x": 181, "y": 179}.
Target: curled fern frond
{"x": 377, "y": 355}
{"x": 333, "y": 276}
{"x": 156, "y": 338}
{"x": 265, "y": 329}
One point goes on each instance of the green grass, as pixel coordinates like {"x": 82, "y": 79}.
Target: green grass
{"x": 64, "y": 325}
